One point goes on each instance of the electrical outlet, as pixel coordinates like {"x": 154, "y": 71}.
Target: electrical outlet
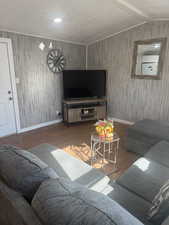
{"x": 58, "y": 113}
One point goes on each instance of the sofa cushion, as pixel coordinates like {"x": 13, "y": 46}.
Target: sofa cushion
{"x": 146, "y": 133}
{"x": 23, "y": 171}
{"x": 62, "y": 201}
{"x": 70, "y": 167}
{"x": 139, "y": 144}
{"x": 152, "y": 128}
{"x": 136, "y": 205}
{"x": 159, "y": 211}
{"x": 159, "y": 153}
{"x": 14, "y": 209}
{"x": 144, "y": 178}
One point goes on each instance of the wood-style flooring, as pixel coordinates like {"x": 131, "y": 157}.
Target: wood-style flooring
{"x": 75, "y": 140}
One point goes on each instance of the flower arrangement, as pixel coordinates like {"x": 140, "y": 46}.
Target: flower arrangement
{"x": 105, "y": 129}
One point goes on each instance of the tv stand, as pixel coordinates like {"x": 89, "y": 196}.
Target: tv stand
{"x": 84, "y": 110}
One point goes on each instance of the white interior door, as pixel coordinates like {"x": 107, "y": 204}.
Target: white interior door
{"x": 7, "y": 112}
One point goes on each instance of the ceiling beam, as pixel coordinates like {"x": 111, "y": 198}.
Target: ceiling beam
{"x": 132, "y": 8}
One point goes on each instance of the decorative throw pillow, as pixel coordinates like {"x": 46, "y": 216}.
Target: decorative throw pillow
{"x": 62, "y": 201}
{"x": 23, "y": 171}
{"x": 159, "y": 211}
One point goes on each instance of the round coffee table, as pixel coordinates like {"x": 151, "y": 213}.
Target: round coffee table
{"x": 106, "y": 149}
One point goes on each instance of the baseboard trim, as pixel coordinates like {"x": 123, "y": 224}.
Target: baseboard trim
{"x": 121, "y": 121}
{"x": 39, "y": 126}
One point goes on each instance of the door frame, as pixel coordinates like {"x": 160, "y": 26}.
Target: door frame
{"x": 8, "y": 42}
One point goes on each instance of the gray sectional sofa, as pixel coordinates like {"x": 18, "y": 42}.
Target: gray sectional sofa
{"x": 68, "y": 191}
{"x": 60, "y": 190}
{"x": 134, "y": 190}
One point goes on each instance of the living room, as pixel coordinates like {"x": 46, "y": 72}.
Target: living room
{"x": 42, "y": 45}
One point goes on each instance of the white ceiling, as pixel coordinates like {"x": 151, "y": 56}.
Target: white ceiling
{"x": 84, "y": 21}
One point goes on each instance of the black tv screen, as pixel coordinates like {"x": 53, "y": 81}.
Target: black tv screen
{"x": 79, "y": 84}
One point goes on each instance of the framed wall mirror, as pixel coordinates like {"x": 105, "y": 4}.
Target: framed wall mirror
{"x": 148, "y": 57}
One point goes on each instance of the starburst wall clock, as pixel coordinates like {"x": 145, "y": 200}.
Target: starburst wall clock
{"x": 55, "y": 60}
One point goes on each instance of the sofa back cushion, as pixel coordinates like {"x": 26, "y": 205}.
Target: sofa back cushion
{"x": 61, "y": 201}
{"x": 23, "y": 171}
{"x": 14, "y": 209}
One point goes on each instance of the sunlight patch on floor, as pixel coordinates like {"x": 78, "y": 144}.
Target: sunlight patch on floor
{"x": 83, "y": 152}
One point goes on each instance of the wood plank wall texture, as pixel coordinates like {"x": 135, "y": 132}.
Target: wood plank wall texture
{"x": 40, "y": 91}
{"x": 132, "y": 99}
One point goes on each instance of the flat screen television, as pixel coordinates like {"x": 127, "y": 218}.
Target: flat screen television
{"x": 79, "y": 84}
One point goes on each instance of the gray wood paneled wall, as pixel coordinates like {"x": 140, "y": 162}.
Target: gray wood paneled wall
{"x": 132, "y": 99}
{"x": 39, "y": 90}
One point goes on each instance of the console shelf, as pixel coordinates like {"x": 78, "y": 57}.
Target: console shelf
{"x": 84, "y": 110}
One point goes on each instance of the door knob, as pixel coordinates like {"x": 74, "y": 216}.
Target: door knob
{"x": 10, "y": 98}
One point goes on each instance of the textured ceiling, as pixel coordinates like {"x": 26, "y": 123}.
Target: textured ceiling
{"x": 84, "y": 21}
